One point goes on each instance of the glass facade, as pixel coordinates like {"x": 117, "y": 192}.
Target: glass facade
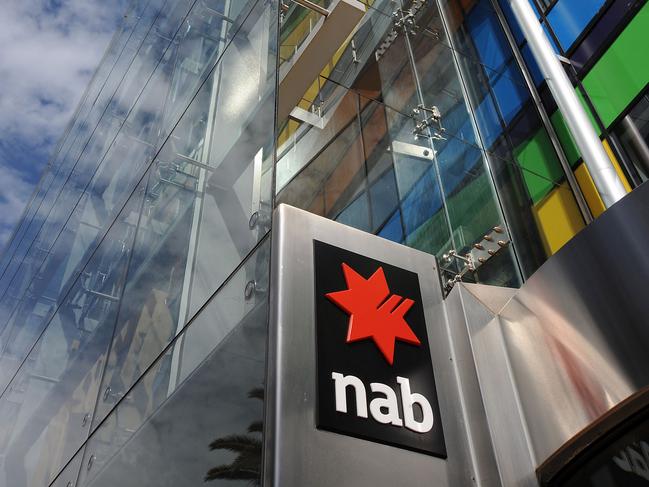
{"x": 134, "y": 292}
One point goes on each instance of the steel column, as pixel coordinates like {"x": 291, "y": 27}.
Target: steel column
{"x": 599, "y": 165}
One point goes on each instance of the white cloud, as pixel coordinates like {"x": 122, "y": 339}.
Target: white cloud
{"x": 49, "y": 50}
{"x": 14, "y": 192}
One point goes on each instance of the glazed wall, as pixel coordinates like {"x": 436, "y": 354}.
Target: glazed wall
{"x": 144, "y": 253}
{"x": 443, "y": 190}
{"x": 133, "y": 293}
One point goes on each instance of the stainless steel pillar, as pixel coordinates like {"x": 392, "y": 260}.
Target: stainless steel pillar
{"x": 599, "y": 166}
{"x": 637, "y": 141}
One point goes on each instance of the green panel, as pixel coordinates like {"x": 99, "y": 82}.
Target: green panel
{"x": 623, "y": 71}
{"x": 472, "y": 211}
{"x": 540, "y": 165}
{"x": 567, "y": 142}
{"x": 614, "y": 81}
{"x": 569, "y": 147}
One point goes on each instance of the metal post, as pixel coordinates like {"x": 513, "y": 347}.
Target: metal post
{"x": 599, "y": 166}
{"x": 638, "y": 143}
{"x": 545, "y": 118}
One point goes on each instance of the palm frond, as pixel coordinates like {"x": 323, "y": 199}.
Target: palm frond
{"x": 236, "y": 443}
{"x": 227, "y": 472}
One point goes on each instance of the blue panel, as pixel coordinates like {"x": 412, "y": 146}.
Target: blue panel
{"x": 488, "y": 123}
{"x": 532, "y": 65}
{"x": 511, "y": 21}
{"x": 393, "y": 229}
{"x": 423, "y": 201}
{"x": 569, "y": 18}
{"x": 510, "y": 95}
{"x": 383, "y": 194}
{"x": 488, "y": 38}
{"x": 357, "y": 214}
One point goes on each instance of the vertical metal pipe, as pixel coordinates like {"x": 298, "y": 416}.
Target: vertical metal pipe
{"x": 637, "y": 141}
{"x": 599, "y": 166}
{"x": 545, "y": 118}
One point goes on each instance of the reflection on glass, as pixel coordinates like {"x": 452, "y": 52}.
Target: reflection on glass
{"x": 198, "y": 401}
{"x": 129, "y": 125}
{"x": 620, "y": 458}
{"x": 96, "y": 258}
{"x": 414, "y": 171}
{"x": 248, "y": 448}
{"x": 207, "y": 206}
{"x": 45, "y": 413}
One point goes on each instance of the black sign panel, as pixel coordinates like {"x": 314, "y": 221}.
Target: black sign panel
{"x": 374, "y": 372}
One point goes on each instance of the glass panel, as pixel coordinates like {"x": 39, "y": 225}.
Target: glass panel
{"x": 207, "y": 205}
{"x": 32, "y": 254}
{"x": 101, "y": 181}
{"x": 439, "y": 81}
{"x": 513, "y": 135}
{"x": 366, "y": 173}
{"x": 46, "y": 412}
{"x": 91, "y": 100}
{"x": 204, "y": 392}
{"x": 68, "y": 476}
{"x": 469, "y": 205}
{"x": 511, "y": 181}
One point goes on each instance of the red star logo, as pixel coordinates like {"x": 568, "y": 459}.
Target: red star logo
{"x": 371, "y": 315}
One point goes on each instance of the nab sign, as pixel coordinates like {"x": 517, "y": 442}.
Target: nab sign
{"x": 374, "y": 372}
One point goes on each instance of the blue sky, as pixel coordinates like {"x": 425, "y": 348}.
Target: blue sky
{"x": 49, "y": 50}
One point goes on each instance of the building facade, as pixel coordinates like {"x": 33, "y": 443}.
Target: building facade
{"x": 134, "y": 292}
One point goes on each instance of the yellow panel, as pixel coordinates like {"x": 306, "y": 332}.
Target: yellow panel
{"x": 616, "y": 164}
{"x": 558, "y": 218}
{"x": 589, "y": 191}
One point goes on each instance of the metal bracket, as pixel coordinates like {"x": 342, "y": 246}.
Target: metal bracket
{"x": 385, "y": 45}
{"x": 426, "y": 118}
{"x": 479, "y": 253}
{"x": 490, "y": 245}
{"x": 468, "y": 265}
{"x": 405, "y": 20}
{"x": 355, "y": 59}
{"x": 402, "y": 20}
{"x": 261, "y": 219}
{"x": 283, "y": 10}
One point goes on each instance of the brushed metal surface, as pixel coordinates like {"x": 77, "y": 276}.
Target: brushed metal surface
{"x": 570, "y": 344}
{"x": 297, "y": 454}
{"x": 463, "y": 311}
{"x": 506, "y": 424}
